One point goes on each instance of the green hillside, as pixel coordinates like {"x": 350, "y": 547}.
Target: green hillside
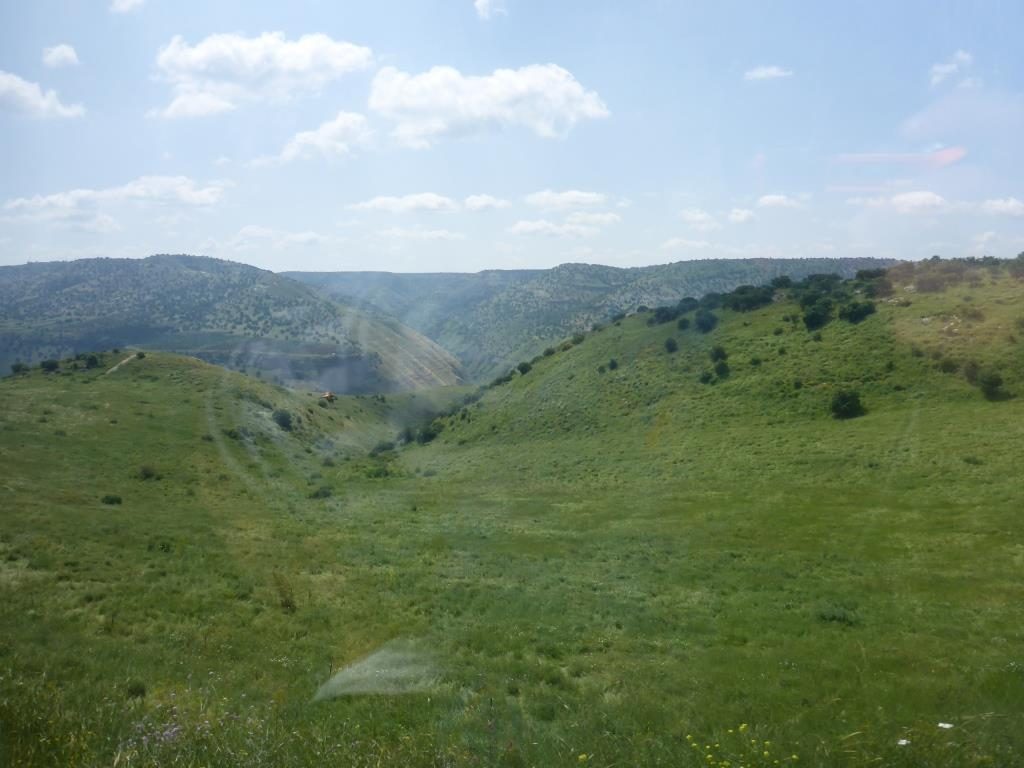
{"x": 490, "y": 319}
{"x": 227, "y": 313}
{"x": 657, "y": 561}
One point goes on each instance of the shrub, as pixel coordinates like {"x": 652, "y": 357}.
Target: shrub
{"x": 782, "y": 281}
{"x": 524, "y": 368}
{"x": 818, "y": 314}
{"x": 136, "y": 689}
{"x": 600, "y": 369}
{"x": 284, "y": 593}
{"x": 139, "y": 355}
{"x": 613, "y": 364}
{"x": 323, "y": 492}
{"x": 971, "y": 371}
{"x": 721, "y": 369}
{"x": 549, "y": 352}
{"x": 705, "y": 320}
{"x": 856, "y": 311}
{"x": 846, "y": 404}
{"x": 683, "y": 323}
{"x": 146, "y": 472}
{"x": 991, "y": 383}
{"x": 49, "y": 365}
{"x": 670, "y": 345}
{"x": 578, "y": 338}
{"x": 92, "y": 361}
{"x": 111, "y": 498}
{"x": 663, "y": 315}
{"x": 283, "y": 419}
{"x": 748, "y": 297}
{"x": 755, "y": 361}
{"x": 705, "y": 377}
{"x": 948, "y": 365}
{"x": 382, "y": 447}
{"x": 428, "y": 433}
{"x": 687, "y": 304}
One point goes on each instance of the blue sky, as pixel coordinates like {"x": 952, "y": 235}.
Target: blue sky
{"x": 464, "y": 135}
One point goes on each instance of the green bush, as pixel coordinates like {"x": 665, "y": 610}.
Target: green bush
{"x": 855, "y": 311}
{"x": 146, "y": 472}
{"x": 92, "y": 362}
{"x": 17, "y": 368}
{"x": 139, "y": 355}
{"x": 524, "y": 368}
{"x": 136, "y": 689}
{"x": 705, "y": 320}
{"x": 111, "y": 498}
{"x": 323, "y": 492}
{"x": 991, "y": 383}
{"x": 49, "y": 365}
{"x": 283, "y": 419}
{"x": 971, "y": 371}
{"x": 722, "y": 369}
{"x": 846, "y": 404}
{"x": 613, "y": 364}
{"x": 671, "y": 346}
{"x": 683, "y": 323}
{"x": 717, "y": 353}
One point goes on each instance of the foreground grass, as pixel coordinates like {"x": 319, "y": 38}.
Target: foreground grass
{"x": 584, "y": 569}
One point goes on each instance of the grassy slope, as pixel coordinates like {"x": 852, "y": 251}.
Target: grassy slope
{"x": 493, "y": 319}
{"x": 597, "y": 564}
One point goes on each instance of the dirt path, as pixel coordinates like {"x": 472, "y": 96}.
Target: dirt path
{"x": 127, "y": 359}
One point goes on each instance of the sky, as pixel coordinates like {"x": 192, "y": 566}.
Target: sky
{"x": 461, "y": 135}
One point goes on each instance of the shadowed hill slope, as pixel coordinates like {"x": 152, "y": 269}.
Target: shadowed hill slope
{"x": 224, "y": 312}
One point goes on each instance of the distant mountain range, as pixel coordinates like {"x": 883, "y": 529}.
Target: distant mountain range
{"x": 492, "y": 319}
{"x": 220, "y": 311}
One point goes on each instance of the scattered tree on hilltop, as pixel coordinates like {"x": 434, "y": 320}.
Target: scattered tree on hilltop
{"x": 705, "y": 320}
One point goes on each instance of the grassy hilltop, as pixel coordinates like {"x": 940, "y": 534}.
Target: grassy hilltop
{"x": 226, "y": 313}
{"x": 654, "y": 545}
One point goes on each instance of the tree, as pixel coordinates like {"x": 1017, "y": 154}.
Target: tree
{"x": 718, "y": 353}
{"x": 524, "y": 368}
{"x": 92, "y": 361}
{"x": 846, "y": 404}
{"x": 670, "y": 345}
{"x": 818, "y": 314}
{"x": 721, "y": 369}
{"x": 283, "y": 419}
{"x": 17, "y": 368}
{"x": 687, "y": 304}
{"x": 139, "y": 355}
{"x": 683, "y": 323}
{"x": 705, "y": 320}
{"x": 855, "y": 311}
{"x": 613, "y": 364}
{"x": 49, "y": 365}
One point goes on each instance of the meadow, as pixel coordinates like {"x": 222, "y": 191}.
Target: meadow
{"x": 590, "y": 565}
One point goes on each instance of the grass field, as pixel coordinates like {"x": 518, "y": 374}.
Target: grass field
{"x": 614, "y": 568}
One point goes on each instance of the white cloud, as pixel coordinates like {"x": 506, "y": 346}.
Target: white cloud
{"x": 443, "y": 102}
{"x": 484, "y": 202}
{"x": 551, "y": 229}
{"x": 777, "y": 201}
{"x": 423, "y": 201}
{"x": 222, "y": 72}
{"x": 333, "y": 139}
{"x": 959, "y": 61}
{"x": 767, "y": 73}
{"x": 573, "y": 198}
{"x": 681, "y": 243}
{"x": 125, "y": 6}
{"x": 397, "y": 233}
{"x": 83, "y": 207}
{"x": 23, "y": 96}
{"x": 255, "y": 236}
{"x": 740, "y": 215}
{"x": 700, "y": 220}
{"x": 1009, "y": 206}
{"x": 485, "y": 9}
{"x": 918, "y": 201}
{"x": 62, "y": 55}
{"x": 593, "y": 219}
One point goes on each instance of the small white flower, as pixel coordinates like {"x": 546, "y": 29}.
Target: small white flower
{"x": 945, "y": 726}
{"x": 903, "y": 742}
